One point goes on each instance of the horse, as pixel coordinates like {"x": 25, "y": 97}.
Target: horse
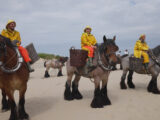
{"x": 153, "y": 69}
{"x": 55, "y": 64}
{"x": 104, "y": 58}
{"x": 14, "y": 75}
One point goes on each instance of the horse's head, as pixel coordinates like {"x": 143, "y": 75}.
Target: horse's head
{"x": 110, "y": 48}
{"x": 63, "y": 59}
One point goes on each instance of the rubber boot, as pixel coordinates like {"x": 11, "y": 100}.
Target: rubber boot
{"x": 90, "y": 65}
{"x": 29, "y": 67}
{"x": 90, "y": 62}
{"x": 146, "y": 67}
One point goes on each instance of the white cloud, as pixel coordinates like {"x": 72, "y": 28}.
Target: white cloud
{"x": 53, "y": 23}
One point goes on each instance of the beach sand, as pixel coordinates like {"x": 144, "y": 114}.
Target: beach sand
{"x": 44, "y": 99}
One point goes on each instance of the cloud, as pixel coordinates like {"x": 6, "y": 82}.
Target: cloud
{"x": 55, "y": 26}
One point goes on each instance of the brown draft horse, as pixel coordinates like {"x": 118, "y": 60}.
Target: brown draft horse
{"x": 104, "y": 58}
{"x": 12, "y": 78}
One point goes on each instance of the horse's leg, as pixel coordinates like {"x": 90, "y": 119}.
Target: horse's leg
{"x": 5, "y": 102}
{"x": 10, "y": 93}
{"x": 67, "y": 92}
{"x": 21, "y": 109}
{"x": 75, "y": 92}
{"x": 129, "y": 82}
{"x": 46, "y": 75}
{"x": 152, "y": 87}
{"x": 97, "y": 100}
{"x": 105, "y": 98}
{"x": 59, "y": 72}
{"x": 122, "y": 83}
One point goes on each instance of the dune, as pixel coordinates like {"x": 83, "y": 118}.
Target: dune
{"x": 44, "y": 99}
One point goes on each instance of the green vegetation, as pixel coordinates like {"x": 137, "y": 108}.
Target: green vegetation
{"x": 48, "y": 56}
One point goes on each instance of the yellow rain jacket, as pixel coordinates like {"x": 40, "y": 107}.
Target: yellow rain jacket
{"x": 87, "y": 40}
{"x": 140, "y": 50}
{"x": 12, "y": 35}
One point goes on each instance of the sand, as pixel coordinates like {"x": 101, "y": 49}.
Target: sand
{"x": 44, "y": 99}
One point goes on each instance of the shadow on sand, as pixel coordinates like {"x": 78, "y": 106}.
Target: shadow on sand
{"x": 36, "y": 106}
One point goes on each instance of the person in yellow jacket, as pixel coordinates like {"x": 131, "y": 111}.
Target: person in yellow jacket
{"x": 140, "y": 50}
{"x": 88, "y": 42}
{"x": 14, "y": 35}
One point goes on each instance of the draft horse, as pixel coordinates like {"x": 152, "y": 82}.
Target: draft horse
{"x": 104, "y": 58}
{"x": 14, "y": 75}
{"x": 153, "y": 69}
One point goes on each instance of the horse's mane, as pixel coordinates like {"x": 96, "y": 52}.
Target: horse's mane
{"x": 156, "y": 50}
{"x": 6, "y": 40}
{"x": 103, "y": 46}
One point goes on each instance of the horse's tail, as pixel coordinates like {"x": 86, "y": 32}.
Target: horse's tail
{"x": 45, "y": 63}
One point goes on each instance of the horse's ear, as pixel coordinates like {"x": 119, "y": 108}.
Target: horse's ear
{"x": 104, "y": 39}
{"x": 114, "y": 38}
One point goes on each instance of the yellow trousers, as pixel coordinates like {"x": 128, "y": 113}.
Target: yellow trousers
{"x": 139, "y": 54}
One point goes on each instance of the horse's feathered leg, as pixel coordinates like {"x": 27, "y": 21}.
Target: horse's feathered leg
{"x": 104, "y": 94}
{"x": 122, "y": 83}
{"x": 5, "y": 102}
{"x": 21, "y": 108}
{"x": 46, "y": 75}
{"x": 129, "y": 82}
{"x": 13, "y": 115}
{"x": 152, "y": 87}
{"x": 67, "y": 92}
{"x": 60, "y": 73}
{"x": 97, "y": 100}
{"x": 75, "y": 92}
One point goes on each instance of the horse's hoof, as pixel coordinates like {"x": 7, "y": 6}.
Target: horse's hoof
{"x": 68, "y": 95}
{"x": 59, "y": 75}
{"x": 106, "y": 100}
{"x": 131, "y": 85}
{"x": 123, "y": 86}
{"x": 13, "y": 118}
{"x": 46, "y": 76}
{"x": 97, "y": 103}
{"x": 150, "y": 89}
{"x": 24, "y": 116}
{"x": 5, "y": 109}
{"x": 155, "y": 91}
{"x": 77, "y": 95}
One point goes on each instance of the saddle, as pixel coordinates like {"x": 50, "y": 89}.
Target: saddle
{"x": 135, "y": 63}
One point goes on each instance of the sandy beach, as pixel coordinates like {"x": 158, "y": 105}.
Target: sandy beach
{"x": 44, "y": 99}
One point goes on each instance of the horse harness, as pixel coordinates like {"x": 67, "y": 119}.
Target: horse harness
{"x": 18, "y": 64}
{"x": 101, "y": 64}
{"x": 154, "y": 58}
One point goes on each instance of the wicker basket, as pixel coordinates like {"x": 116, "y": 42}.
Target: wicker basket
{"x": 135, "y": 63}
{"x": 78, "y": 57}
{"x": 32, "y": 53}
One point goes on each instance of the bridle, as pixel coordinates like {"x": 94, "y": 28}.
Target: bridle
{"x": 101, "y": 64}
{"x": 18, "y": 64}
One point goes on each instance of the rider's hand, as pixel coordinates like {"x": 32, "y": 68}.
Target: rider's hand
{"x": 94, "y": 47}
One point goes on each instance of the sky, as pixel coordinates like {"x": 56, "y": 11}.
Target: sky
{"x": 55, "y": 25}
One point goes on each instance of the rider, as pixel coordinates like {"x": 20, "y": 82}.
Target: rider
{"x": 140, "y": 50}
{"x": 14, "y": 35}
{"x": 88, "y": 43}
